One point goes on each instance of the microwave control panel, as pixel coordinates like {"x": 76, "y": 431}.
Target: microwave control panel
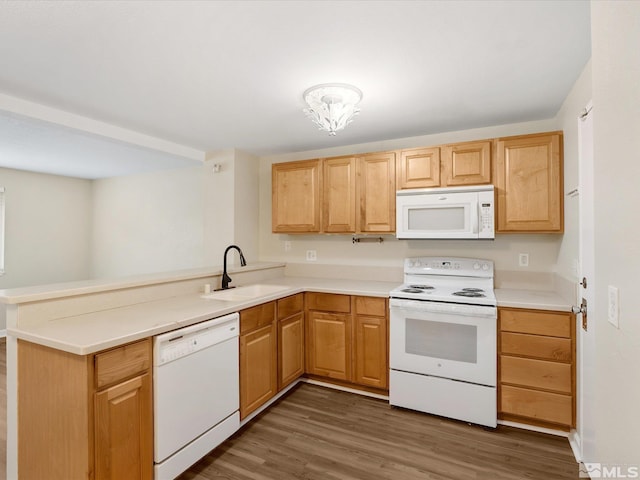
{"x": 485, "y": 205}
{"x": 486, "y": 217}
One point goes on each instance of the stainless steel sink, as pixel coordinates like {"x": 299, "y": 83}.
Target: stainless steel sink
{"x": 248, "y": 292}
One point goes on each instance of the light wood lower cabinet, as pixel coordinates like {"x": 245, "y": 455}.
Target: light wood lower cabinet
{"x": 371, "y": 351}
{"x": 329, "y": 345}
{"x": 347, "y": 339}
{"x": 258, "y": 357}
{"x": 290, "y": 339}
{"x": 85, "y": 417}
{"x": 536, "y": 367}
{"x": 124, "y": 443}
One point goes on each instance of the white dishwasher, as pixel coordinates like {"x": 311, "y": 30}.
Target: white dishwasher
{"x": 196, "y": 392}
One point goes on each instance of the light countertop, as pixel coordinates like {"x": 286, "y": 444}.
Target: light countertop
{"x": 92, "y": 332}
{"x": 533, "y": 299}
{"x": 89, "y": 333}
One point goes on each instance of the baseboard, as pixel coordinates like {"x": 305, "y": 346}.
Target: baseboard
{"x": 576, "y": 445}
{"x": 533, "y": 428}
{"x": 344, "y": 389}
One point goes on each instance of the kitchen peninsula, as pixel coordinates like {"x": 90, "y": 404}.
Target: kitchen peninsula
{"x": 52, "y": 427}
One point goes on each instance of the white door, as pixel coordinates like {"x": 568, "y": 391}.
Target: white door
{"x": 586, "y": 338}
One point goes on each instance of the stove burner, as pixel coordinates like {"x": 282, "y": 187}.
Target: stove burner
{"x": 422, "y": 287}
{"x": 469, "y": 294}
{"x": 413, "y": 290}
{"x": 472, "y": 290}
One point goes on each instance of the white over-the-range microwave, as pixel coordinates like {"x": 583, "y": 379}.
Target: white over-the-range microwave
{"x": 451, "y": 212}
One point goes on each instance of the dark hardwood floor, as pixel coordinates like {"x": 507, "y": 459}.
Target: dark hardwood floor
{"x": 315, "y": 433}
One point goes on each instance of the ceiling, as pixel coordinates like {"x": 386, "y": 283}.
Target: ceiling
{"x": 230, "y": 74}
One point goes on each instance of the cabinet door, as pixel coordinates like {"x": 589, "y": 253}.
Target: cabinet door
{"x": 339, "y": 195}
{"x": 467, "y": 163}
{"x": 377, "y": 193}
{"x": 258, "y": 368}
{"x": 419, "y": 168}
{"x": 124, "y": 430}
{"x": 529, "y": 184}
{"x": 371, "y": 351}
{"x": 329, "y": 345}
{"x": 290, "y": 349}
{"x": 295, "y": 202}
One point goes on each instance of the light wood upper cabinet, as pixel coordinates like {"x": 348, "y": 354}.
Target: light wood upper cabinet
{"x": 376, "y": 188}
{"x": 528, "y": 180}
{"x": 419, "y": 168}
{"x": 467, "y": 163}
{"x": 296, "y": 197}
{"x": 339, "y": 195}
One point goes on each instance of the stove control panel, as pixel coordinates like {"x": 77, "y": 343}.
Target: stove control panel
{"x": 449, "y": 266}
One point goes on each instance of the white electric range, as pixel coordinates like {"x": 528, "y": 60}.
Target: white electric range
{"x": 443, "y": 328}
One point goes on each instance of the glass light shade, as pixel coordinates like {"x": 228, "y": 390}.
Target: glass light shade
{"x": 332, "y": 106}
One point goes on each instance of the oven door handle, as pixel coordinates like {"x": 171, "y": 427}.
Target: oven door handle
{"x": 446, "y": 308}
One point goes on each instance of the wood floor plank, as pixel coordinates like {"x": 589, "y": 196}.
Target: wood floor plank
{"x": 320, "y": 433}
{"x": 316, "y": 433}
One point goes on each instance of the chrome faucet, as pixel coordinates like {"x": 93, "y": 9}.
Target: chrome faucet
{"x": 226, "y": 279}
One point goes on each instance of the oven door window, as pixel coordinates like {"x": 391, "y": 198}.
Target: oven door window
{"x": 447, "y": 341}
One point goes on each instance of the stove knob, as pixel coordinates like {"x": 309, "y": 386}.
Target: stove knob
{"x": 476, "y": 266}
{"x": 485, "y": 266}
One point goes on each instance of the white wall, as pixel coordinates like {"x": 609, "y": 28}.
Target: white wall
{"x": 47, "y": 228}
{"x": 616, "y": 98}
{"x": 231, "y": 206}
{"x": 567, "y": 119}
{"x": 338, "y": 249}
{"x": 246, "y": 204}
{"x": 147, "y": 223}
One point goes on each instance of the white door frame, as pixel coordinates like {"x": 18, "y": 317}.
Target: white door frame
{"x": 586, "y": 339}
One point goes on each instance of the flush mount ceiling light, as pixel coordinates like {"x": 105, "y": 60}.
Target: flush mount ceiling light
{"x": 332, "y": 106}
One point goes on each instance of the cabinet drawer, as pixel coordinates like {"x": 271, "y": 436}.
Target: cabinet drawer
{"x": 121, "y": 363}
{"x": 550, "y": 348}
{"x": 544, "y": 406}
{"x": 290, "y": 305}
{"x": 376, "y": 306}
{"x": 553, "y": 324}
{"x": 258, "y": 316}
{"x": 329, "y": 302}
{"x": 536, "y": 373}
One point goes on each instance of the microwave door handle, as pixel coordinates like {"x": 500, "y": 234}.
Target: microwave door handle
{"x": 475, "y": 217}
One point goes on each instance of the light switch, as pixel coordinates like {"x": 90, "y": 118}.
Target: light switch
{"x": 523, "y": 260}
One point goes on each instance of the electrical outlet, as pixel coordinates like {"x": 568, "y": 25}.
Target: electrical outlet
{"x": 523, "y": 260}
{"x": 613, "y": 306}
{"x": 287, "y": 246}
{"x": 311, "y": 256}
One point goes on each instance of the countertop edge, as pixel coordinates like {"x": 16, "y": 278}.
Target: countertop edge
{"x": 511, "y": 298}
{"x": 85, "y": 287}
